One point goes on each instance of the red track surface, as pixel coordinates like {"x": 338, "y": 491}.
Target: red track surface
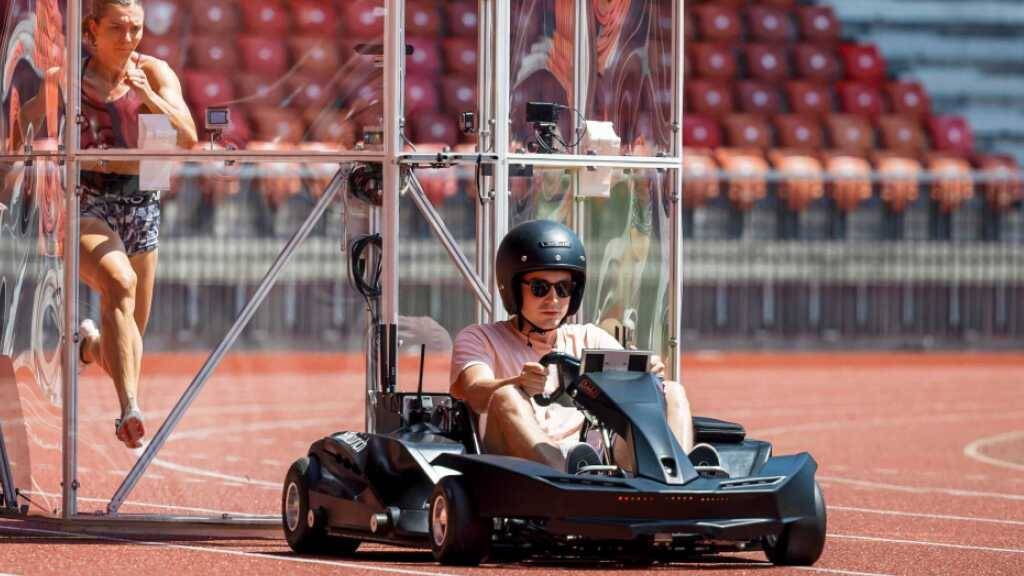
{"x": 921, "y": 458}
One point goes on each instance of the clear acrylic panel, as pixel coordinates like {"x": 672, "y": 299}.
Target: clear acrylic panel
{"x": 31, "y": 328}
{"x": 295, "y": 374}
{"x": 540, "y": 193}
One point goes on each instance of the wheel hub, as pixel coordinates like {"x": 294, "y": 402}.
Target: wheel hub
{"x": 291, "y": 507}
{"x": 439, "y": 520}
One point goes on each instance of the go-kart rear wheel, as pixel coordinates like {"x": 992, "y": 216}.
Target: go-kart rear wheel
{"x": 304, "y": 528}
{"x": 458, "y": 536}
{"x": 800, "y": 543}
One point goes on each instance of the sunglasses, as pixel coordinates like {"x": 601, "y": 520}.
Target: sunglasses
{"x": 540, "y": 288}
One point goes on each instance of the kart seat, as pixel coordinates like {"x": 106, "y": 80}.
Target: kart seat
{"x": 715, "y": 431}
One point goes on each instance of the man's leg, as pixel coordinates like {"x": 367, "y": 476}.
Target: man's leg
{"x": 512, "y": 429}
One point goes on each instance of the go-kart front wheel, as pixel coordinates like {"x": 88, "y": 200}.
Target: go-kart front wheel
{"x": 458, "y": 536}
{"x": 304, "y": 528}
{"x": 800, "y": 543}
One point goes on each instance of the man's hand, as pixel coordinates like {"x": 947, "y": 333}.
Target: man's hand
{"x": 532, "y": 378}
{"x": 656, "y": 366}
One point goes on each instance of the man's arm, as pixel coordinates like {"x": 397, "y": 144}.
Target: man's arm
{"x": 476, "y": 383}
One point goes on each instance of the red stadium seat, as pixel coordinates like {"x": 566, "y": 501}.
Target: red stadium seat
{"x": 255, "y": 89}
{"x": 264, "y": 55}
{"x": 314, "y": 17}
{"x": 850, "y": 133}
{"x": 207, "y": 89}
{"x": 801, "y": 180}
{"x": 769, "y": 24}
{"x": 334, "y": 127}
{"x": 758, "y": 97}
{"x": 850, "y": 179}
{"x": 215, "y": 17}
{"x": 952, "y": 184}
{"x": 310, "y": 91}
{"x": 700, "y": 177}
{"x": 718, "y": 22}
{"x": 799, "y": 132}
{"x": 459, "y": 94}
{"x": 689, "y": 27}
{"x": 277, "y": 124}
{"x": 318, "y": 55}
{"x": 460, "y": 56}
{"x": 701, "y": 132}
{"x": 817, "y": 62}
{"x": 163, "y": 17}
{"x": 422, "y": 18}
{"x": 434, "y": 127}
{"x": 1002, "y": 185}
{"x": 951, "y": 134}
{"x": 747, "y": 131}
{"x": 818, "y": 23}
{"x": 863, "y": 62}
{"x": 859, "y": 98}
{"x": 787, "y": 5}
{"x": 768, "y": 62}
{"x": 809, "y": 98}
{"x": 214, "y": 53}
{"x": 426, "y": 56}
{"x": 902, "y": 134}
{"x": 899, "y": 179}
{"x": 363, "y": 19}
{"x": 713, "y": 60}
{"x": 166, "y": 48}
{"x": 746, "y": 182}
{"x": 709, "y": 97}
{"x": 265, "y": 16}
{"x": 420, "y": 94}
{"x": 462, "y": 18}
{"x": 909, "y": 99}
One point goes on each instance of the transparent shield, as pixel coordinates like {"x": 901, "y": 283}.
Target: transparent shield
{"x": 295, "y": 373}
{"x": 31, "y": 328}
{"x": 540, "y": 193}
{"x": 436, "y": 301}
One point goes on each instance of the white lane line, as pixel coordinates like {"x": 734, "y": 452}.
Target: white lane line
{"x": 920, "y": 489}
{"x": 973, "y": 450}
{"x": 218, "y": 475}
{"x": 152, "y": 505}
{"x": 924, "y": 543}
{"x": 837, "y": 571}
{"x": 832, "y": 507}
{"x": 277, "y": 558}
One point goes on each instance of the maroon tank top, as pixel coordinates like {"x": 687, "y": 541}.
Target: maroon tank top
{"x": 112, "y": 124}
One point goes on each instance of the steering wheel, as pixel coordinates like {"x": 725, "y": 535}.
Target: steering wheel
{"x": 567, "y": 365}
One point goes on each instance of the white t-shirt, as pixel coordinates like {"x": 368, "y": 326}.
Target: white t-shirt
{"x": 504, "y": 349}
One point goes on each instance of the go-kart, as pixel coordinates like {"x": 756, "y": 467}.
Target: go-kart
{"x": 425, "y": 483}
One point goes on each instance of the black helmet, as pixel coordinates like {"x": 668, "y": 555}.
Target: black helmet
{"x": 539, "y": 245}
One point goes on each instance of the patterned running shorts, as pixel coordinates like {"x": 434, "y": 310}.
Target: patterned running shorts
{"x": 132, "y": 214}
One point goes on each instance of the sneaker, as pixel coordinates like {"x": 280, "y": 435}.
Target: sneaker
{"x": 86, "y": 331}
{"x": 580, "y": 455}
{"x": 705, "y": 455}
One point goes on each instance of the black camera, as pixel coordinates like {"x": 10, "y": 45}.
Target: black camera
{"x": 544, "y": 118}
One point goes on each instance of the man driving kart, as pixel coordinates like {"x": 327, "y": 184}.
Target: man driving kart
{"x": 541, "y": 273}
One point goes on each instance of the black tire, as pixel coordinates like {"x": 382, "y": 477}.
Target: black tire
{"x": 305, "y": 529}
{"x": 800, "y": 543}
{"x": 458, "y": 536}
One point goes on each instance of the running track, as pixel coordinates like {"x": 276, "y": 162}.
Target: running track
{"x": 921, "y": 458}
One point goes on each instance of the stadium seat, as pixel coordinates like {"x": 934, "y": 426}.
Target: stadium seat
{"x": 333, "y": 127}
{"x": 859, "y": 98}
{"x": 422, "y": 18}
{"x": 215, "y": 17}
{"x": 818, "y": 24}
{"x": 850, "y": 133}
{"x": 758, "y": 97}
{"x": 899, "y": 179}
{"x": 769, "y": 24}
{"x": 849, "y": 179}
{"x": 277, "y": 124}
{"x": 951, "y": 134}
{"x": 863, "y": 63}
{"x": 314, "y": 17}
{"x": 462, "y": 18}
{"x": 768, "y": 62}
{"x": 747, "y": 131}
{"x": 459, "y": 94}
{"x": 1002, "y": 180}
{"x": 204, "y": 89}
{"x": 309, "y": 91}
{"x": 426, "y": 56}
{"x": 700, "y": 177}
{"x": 689, "y": 27}
{"x": 909, "y": 99}
{"x": 746, "y": 175}
{"x": 902, "y": 134}
{"x": 952, "y": 184}
{"x": 314, "y": 55}
{"x": 787, "y": 5}
{"x": 166, "y": 48}
{"x": 709, "y": 97}
{"x": 460, "y": 56}
{"x": 799, "y": 132}
{"x": 263, "y": 55}
{"x": 163, "y": 17}
{"x": 214, "y": 53}
{"x": 276, "y": 181}
{"x": 266, "y": 17}
{"x": 713, "y": 60}
{"x": 434, "y": 127}
{"x": 717, "y": 22}
{"x": 256, "y": 89}
{"x": 420, "y": 94}
{"x": 801, "y": 179}
{"x": 438, "y": 184}
{"x": 809, "y": 98}
{"x": 363, "y": 19}
{"x": 701, "y": 132}
{"x": 816, "y": 62}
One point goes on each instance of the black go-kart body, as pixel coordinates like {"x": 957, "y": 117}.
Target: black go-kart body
{"x": 424, "y": 483}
